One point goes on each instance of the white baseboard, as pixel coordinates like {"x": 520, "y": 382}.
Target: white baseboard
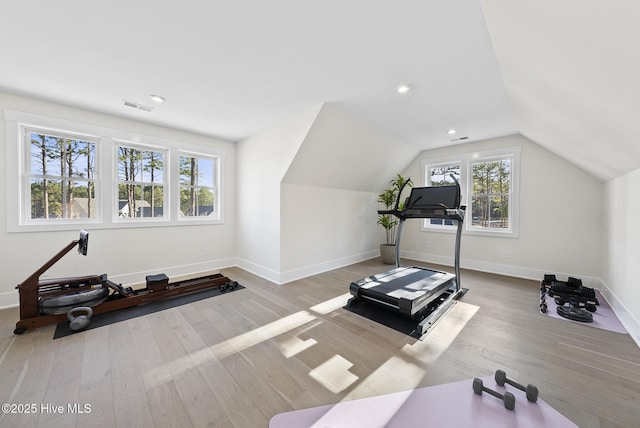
{"x": 174, "y": 271}
{"x": 500, "y": 269}
{"x": 626, "y": 318}
{"x": 303, "y": 272}
{"x": 259, "y": 270}
{"x": 284, "y": 277}
{"x": 9, "y": 300}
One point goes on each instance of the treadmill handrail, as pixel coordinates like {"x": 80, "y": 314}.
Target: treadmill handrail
{"x": 407, "y": 181}
{"x": 448, "y": 213}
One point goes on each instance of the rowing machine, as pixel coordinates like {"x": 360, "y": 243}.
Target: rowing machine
{"x": 45, "y": 302}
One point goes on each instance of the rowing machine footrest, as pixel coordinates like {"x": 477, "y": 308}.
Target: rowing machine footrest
{"x": 157, "y": 282}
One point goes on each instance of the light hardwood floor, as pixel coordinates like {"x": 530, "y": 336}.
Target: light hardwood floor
{"x": 239, "y": 359}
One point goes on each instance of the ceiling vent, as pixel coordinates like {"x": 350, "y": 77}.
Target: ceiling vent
{"x": 457, "y": 140}
{"x": 136, "y": 105}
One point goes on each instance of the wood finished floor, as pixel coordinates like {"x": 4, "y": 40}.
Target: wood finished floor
{"x": 239, "y": 359}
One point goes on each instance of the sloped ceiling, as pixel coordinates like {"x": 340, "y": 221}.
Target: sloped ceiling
{"x": 343, "y": 152}
{"x": 564, "y": 74}
{"x": 571, "y": 72}
{"x": 232, "y": 68}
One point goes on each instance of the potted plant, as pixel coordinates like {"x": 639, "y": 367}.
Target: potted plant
{"x": 389, "y": 222}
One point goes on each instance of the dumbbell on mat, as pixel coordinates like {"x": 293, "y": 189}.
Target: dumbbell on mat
{"x": 508, "y": 398}
{"x": 229, "y": 285}
{"x": 531, "y": 390}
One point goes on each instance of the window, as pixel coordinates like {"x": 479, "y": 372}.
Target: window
{"x": 489, "y": 185}
{"x": 57, "y": 179}
{"x": 140, "y": 182}
{"x": 62, "y": 180}
{"x": 440, "y": 175}
{"x": 197, "y": 186}
{"x": 491, "y": 194}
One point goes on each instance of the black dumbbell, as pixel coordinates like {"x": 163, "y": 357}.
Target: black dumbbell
{"x": 508, "y": 398}
{"x": 229, "y": 285}
{"x": 531, "y": 390}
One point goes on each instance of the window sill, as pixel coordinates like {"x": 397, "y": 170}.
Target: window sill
{"x": 70, "y": 225}
{"x": 472, "y": 231}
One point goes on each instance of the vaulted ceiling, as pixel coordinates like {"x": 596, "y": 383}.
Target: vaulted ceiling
{"x": 564, "y": 75}
{"x": 570, "y": 69}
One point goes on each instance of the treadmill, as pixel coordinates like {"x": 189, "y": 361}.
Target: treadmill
{"x": 417, "y": 292}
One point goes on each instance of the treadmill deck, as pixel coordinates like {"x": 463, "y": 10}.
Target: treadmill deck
{"x": 408, "y": 289}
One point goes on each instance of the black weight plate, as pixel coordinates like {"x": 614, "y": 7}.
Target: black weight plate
{"x": 574, "y": 314}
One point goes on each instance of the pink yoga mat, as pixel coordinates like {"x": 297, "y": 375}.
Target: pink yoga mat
{"x": 449, "y": 405}
{"x": 603, "y": 317}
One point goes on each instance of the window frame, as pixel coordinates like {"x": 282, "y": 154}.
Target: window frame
{"x": 466, "y": 161}
{"x": 511, "y": 195}
{"x": 106, "y": 163}
{"x": 216, "y": 186}
{"x": 427, "y": 224}
{"x": 166, "y": 211}
{"x": 29, "y": 174}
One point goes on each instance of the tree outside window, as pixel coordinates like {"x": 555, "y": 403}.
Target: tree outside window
{"x": 490, "y": 202}
{"x": 140, "y": 182}
{"x": 489, "y": 182}
{"x": 197, "y": 186}
{"x": 62, "y": 176}
{"x": 56, "y": 178}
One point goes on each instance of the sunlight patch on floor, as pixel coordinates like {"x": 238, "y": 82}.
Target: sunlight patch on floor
{"x": 266, "y": 332}
{"x": 228, "y": 347}
{"x": 376, "y": 411}
{"x": 440, "y": 338}
{"x": 394, "y": 374}
{"x": 400, "y": 373}
{"x": 331, "y": 305}
{"x": 293, "y": 346}
{"x": 334, "y": 374}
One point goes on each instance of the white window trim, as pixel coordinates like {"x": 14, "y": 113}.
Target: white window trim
{"x": 26, "y": 174}
{"x": 426, "y": 224}
{"x": 465, "y": 160}
{"x": 107, "y": 138}
{"x": 217, "y": 206}
{"x": 166, "y": 184}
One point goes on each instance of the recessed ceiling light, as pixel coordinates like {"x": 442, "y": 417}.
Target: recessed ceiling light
{"x": 451, "y": 131}
{"x": 157, "y": 98}
{"x": 403, "y": 89}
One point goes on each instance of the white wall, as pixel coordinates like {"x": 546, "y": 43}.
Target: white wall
{"x": 560, "y": 220}
{"x": 323, "y": 229}
{"x": 330, "y": 191}
{"x": 307, "y": 191}
{"x": 622, "y": 249}
{"x": 342, "y": 152}
{"x": 126, "y": 255}
{"x": 263, "y": 160}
